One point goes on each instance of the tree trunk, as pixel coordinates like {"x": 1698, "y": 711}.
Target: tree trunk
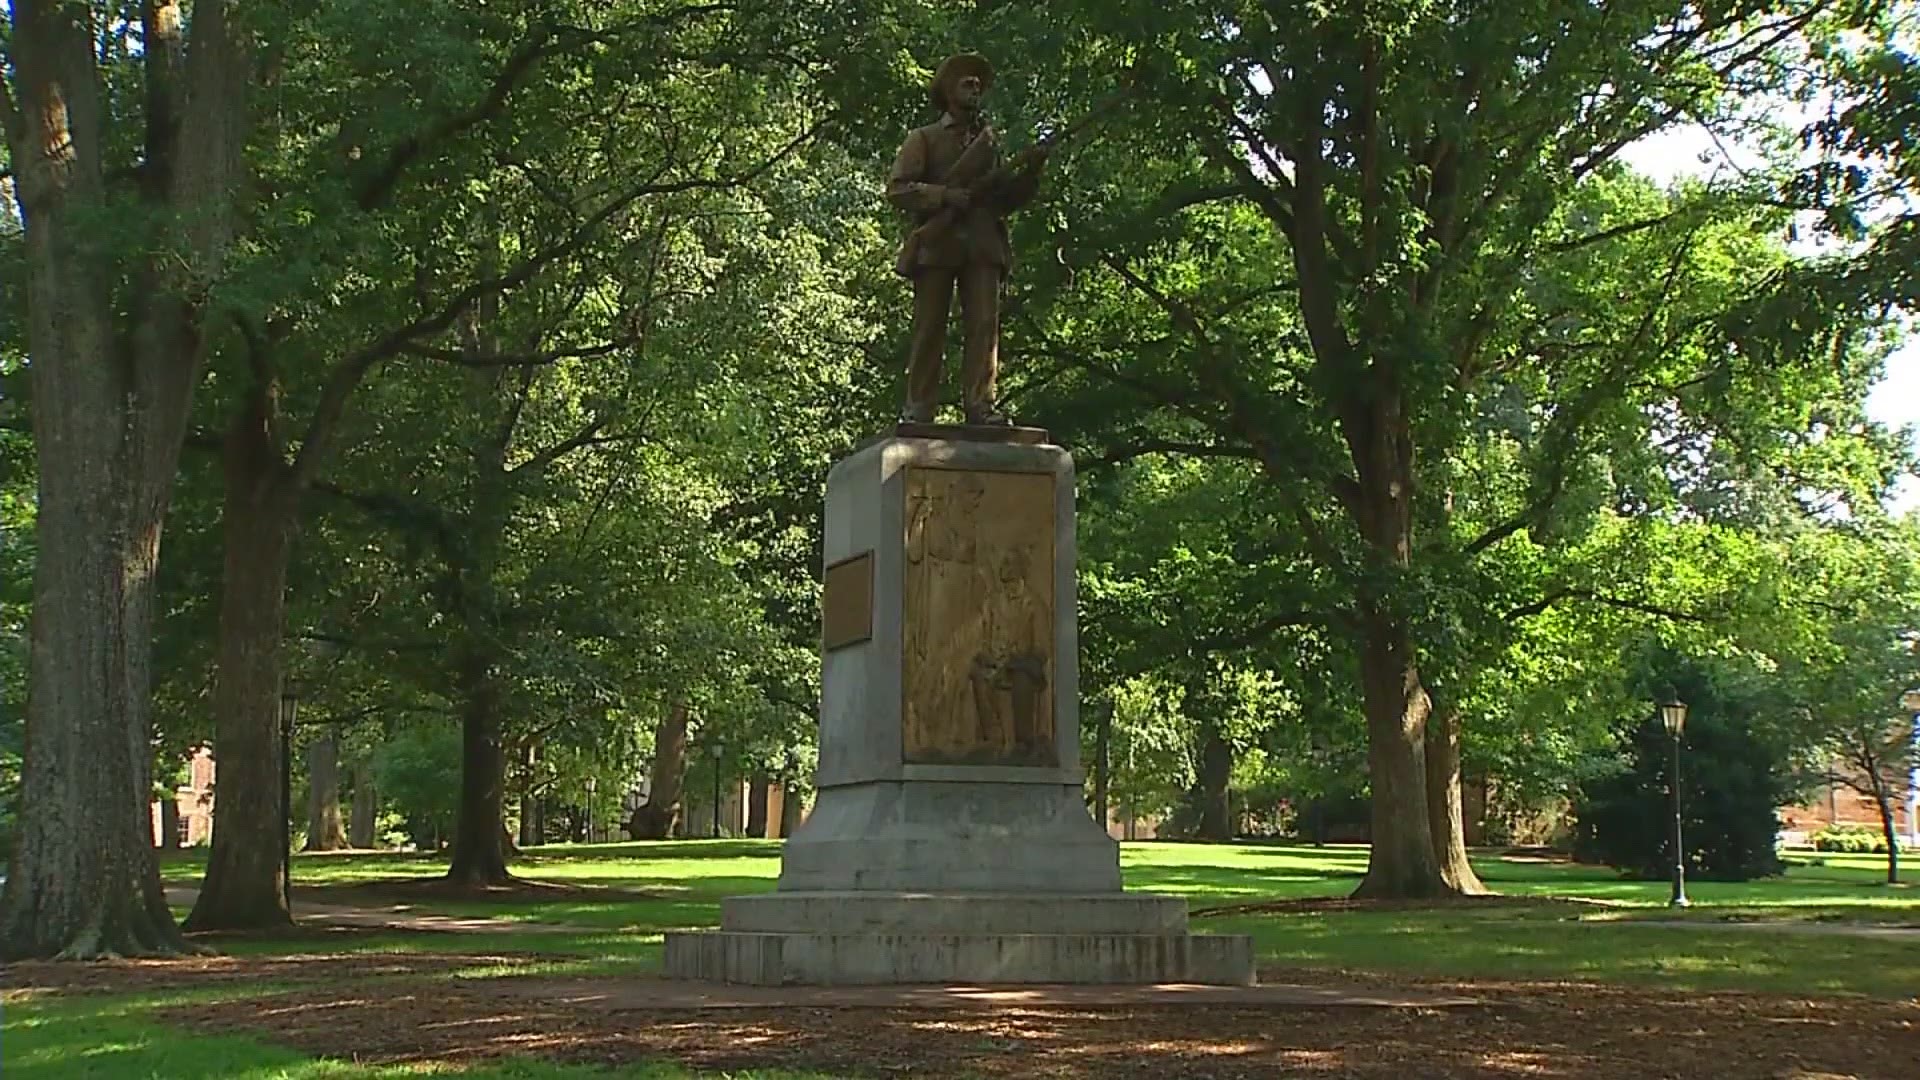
{"x": 529, "y": 820}
{"x": 1884, "y": 803}
{"x": 533, "y": 820}
{"x": 479, "y": 856}
{"x": 111, "y": 402}
{"x": 112, "y": 394}
{"x": 1212, "y": 789}
{"x": 791, "y": 807}
{"x": 654, "y": 820}
{"x": 1446, "y": 816}
{"x": 1102, "y": 739}
{"x": 1400, "y": 859}
{"x": 244, "y": 888}
{"x": 366, "y": 804}
{"x": 529, "y": 797}
{"x": 169, "y": 822}
{"x": 757, "y": 792}
{"x": 325, "y": 830}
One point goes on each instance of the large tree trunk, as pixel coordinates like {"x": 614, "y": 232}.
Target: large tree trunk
{"x": 479, "y": 857}
{"x": 110, "y": 408}
{"x": 1446, "y": 816}
{"x": 244, "y": 887}
{"x": 655, "y": 820}
{"x": 758, "y": 788}
{"x": 325, "y": 830}
{"x": 1400, "y": 859}
{"x": 1213, "y": 787}
{"x": 366, "y": 805}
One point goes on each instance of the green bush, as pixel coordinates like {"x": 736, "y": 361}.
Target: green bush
{"x": 1850, "y": 840}
{"x": 1737, "y": 776}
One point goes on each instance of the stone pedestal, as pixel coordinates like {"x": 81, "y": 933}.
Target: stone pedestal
{"x": 949, "y": 840}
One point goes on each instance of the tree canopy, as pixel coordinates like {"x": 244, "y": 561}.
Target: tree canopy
{"x": 471, "y": 375}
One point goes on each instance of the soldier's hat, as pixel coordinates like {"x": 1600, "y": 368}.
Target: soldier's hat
{"x": 953, "y": 69}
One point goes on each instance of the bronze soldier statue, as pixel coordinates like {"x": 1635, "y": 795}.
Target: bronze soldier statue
{"x": 950, "y": 180}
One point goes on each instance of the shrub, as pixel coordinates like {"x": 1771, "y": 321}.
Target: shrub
{"x": 1850, "y": 840}
{"x": 1732, "y": 778}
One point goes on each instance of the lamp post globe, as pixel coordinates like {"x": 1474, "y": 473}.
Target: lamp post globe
{"x": 1673, "y": 716}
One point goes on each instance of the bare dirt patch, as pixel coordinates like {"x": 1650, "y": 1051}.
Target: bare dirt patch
{"x": 38, "y": 978}
{"x": 1534, "y": 1030}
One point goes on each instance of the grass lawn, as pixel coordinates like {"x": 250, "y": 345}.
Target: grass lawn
{"x": 1588, "y": 926}
{"x": 682, "y": 883}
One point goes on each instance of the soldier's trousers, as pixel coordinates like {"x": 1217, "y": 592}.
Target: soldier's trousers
{"x": 933, "y": 288}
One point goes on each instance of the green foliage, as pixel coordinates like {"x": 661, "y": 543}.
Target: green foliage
{"x": 1849, "y": 839}
{"x": 16, "y": 599}
{"x": 606, "y": 323}
{"x": 1740, "y": 772}
{"x": 417, "y": 769}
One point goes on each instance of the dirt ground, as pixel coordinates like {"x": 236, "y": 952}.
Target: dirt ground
{"x": 37, "y": 978}
{"x": 1519, "y": 1030}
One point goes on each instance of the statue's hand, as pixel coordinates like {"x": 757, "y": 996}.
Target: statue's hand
{"x": 958, "y": 198}
{"x": 1033, "y": 156}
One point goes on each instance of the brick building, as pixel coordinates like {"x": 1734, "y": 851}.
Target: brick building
{"x": 190, "y": 812}
{"x": 1840, "y": 804}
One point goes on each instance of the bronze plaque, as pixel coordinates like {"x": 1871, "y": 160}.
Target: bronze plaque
{"x": 847, "y": 602}
{"x": 977, "y": 678}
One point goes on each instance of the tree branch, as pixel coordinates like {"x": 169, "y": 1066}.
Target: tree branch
{"x": 1570, "y": 422}
{"x": 163, "y": 51}
{"x": 1121, "y": 454}
{"x": 585, "y": 437}
{"x": 1248, "y": 636}
{"x": 466, "y": 358}
{"x": 543, "y": 40}
{"x": 538, "y": 44}
{"x": 1526, "y": 611}
{"x": 1614, "y": 233}
{"x": 347, "y": 373}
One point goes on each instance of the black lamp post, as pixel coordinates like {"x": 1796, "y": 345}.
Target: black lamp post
{"x": 717, "y": 750}
{"x": 1673, "y": 714}
{"x": 289, "y": 709}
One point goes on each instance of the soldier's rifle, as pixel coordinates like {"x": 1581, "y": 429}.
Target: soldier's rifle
{"x": 970, "y": 173}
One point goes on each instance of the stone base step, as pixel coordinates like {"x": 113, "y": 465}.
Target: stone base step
{"x": 826, "y": 959}
{"x": 939, "y": 913}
